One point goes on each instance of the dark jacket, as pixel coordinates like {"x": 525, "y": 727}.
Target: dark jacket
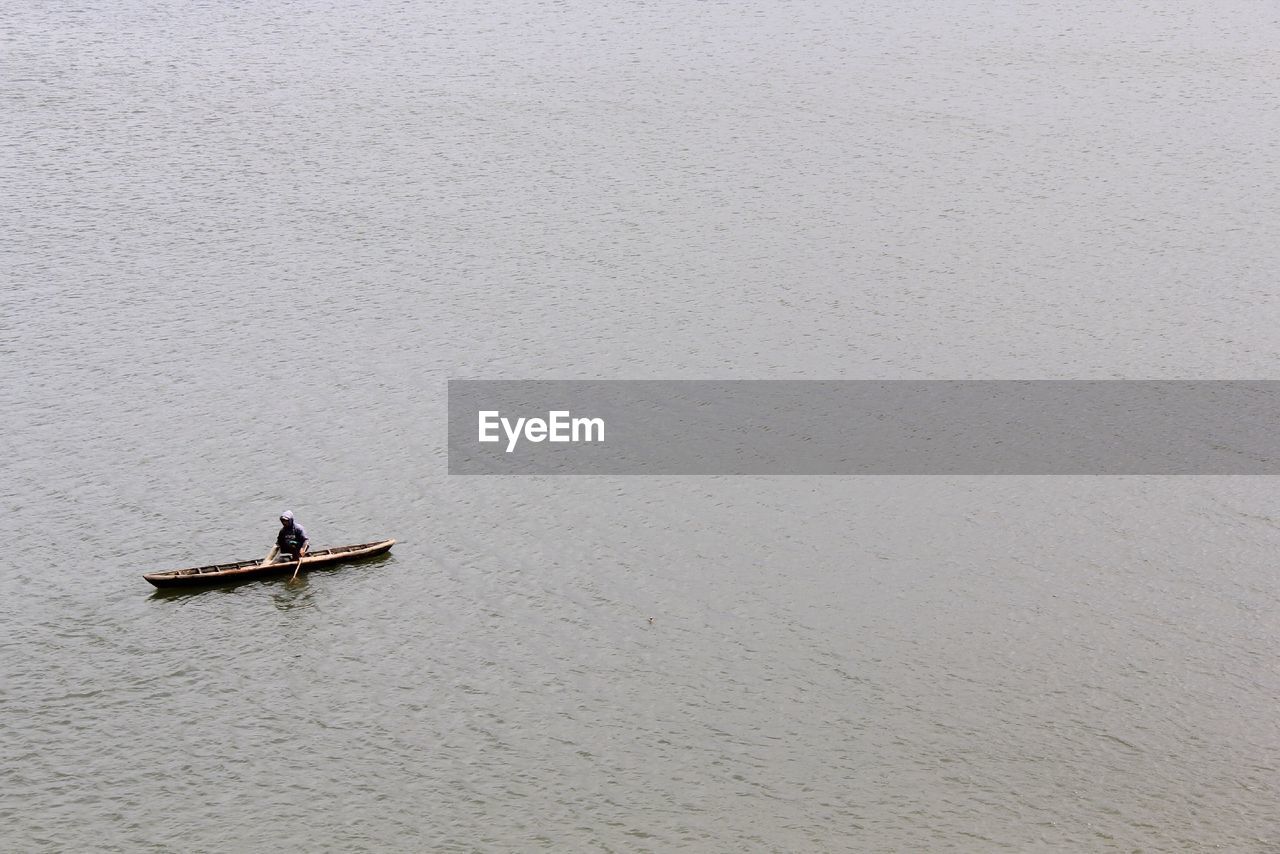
{"x": 292, "y": 537}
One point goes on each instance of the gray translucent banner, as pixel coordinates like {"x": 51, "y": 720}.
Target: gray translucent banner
{"x": 752, "y": 427}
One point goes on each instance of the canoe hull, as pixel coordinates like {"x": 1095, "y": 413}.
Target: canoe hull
{"x": 222, "y": 573}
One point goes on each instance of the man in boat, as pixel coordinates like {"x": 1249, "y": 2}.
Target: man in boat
{"x": 291, "y": 541}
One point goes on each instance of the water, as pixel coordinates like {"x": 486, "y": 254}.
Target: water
{"x": 245, "y": 247}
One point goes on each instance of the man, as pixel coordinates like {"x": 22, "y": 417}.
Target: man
{"x": 292, "y": 539}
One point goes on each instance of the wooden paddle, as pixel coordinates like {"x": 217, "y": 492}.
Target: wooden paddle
{"x": 301, "y": 554}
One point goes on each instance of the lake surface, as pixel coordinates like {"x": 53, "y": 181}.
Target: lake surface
{"x": 246, "y": 245}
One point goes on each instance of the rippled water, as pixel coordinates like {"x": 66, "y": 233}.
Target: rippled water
{"x": 245, "y": 246}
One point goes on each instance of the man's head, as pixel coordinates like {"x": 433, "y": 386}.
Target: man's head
{"x": 286, "y": 518}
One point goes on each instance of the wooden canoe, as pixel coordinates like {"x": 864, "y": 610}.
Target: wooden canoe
{"x": 222, "y": 573}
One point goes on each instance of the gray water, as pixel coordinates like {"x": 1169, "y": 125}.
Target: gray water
{"x": 245, "y": 245}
